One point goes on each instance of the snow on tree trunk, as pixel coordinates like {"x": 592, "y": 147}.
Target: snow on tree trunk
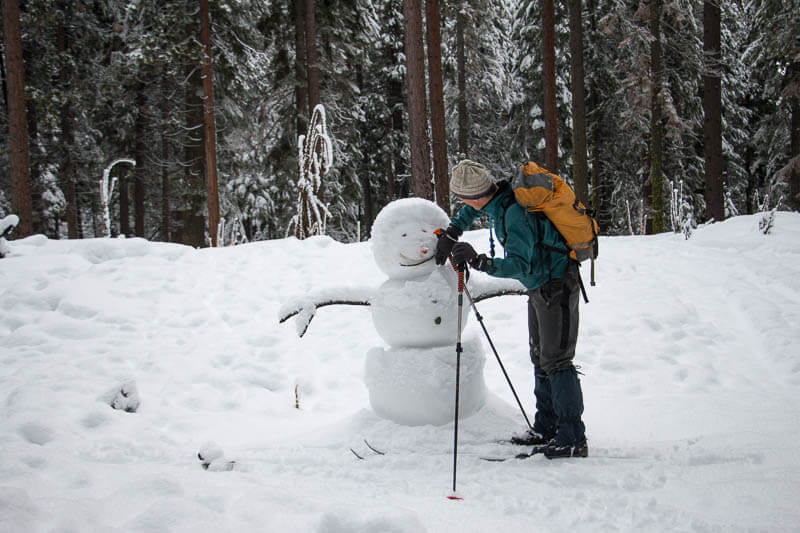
{"x": 106, "y": 189}
{"x": 315, "y": 158}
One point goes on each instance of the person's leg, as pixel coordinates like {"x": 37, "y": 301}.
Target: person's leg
{"x": 544, "y": 422}
{"x": 556, "y": 308}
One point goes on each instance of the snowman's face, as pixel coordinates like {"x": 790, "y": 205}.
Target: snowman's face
{"x": 403, "y": 238}
{"x": 415, "y": 243}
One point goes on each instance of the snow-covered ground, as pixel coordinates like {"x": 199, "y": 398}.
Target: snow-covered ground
{"x": 690, "y": 350}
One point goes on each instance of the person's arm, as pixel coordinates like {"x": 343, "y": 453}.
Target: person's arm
{"x": 464, "y": 218}
{"x": 519, "y": 248}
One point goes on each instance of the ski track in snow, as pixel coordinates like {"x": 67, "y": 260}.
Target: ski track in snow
{"x": 690, "y": 351}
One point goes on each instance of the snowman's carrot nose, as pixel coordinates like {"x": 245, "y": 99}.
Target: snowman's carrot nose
{"x": 424, "y": 250}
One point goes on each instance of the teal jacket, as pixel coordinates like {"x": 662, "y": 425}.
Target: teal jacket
{"x": 528, "y": 240}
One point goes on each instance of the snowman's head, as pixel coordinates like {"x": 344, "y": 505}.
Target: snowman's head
{"x": 403, "y": 241}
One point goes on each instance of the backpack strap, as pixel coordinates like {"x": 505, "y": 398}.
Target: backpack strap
{"x": 580, "y": 283}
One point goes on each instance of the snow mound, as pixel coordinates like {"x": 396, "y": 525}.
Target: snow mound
{"x": 101, "y": 250}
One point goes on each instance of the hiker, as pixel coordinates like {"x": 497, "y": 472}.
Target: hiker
{"x": 533, "y": 255}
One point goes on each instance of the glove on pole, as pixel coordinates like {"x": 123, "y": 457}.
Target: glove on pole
{"x": 447, "y": 238}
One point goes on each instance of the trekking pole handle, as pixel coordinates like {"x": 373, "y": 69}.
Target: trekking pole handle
{"x": 461, "y": 269}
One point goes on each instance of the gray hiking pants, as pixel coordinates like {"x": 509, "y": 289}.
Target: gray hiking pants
{"x": 553, "y": 330}
{"x": 553, "y": 323}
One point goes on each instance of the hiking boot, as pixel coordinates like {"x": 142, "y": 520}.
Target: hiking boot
{"x": 530, "y": 438}
{"x": 556, "y": 451}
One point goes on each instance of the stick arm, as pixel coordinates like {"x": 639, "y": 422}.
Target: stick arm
{"x": 489, "y": 287}
{"x": 304, "y": 308}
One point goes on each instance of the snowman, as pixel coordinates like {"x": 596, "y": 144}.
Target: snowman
{"x": 415, "y": 311}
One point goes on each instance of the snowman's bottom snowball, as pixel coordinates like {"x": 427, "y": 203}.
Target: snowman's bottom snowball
{"x": 416, "y": 386}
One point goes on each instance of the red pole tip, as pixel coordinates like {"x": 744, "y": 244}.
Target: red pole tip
{"x": 454, "y": 497}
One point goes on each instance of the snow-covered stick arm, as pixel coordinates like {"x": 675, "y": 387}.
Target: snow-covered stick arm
{"x": 489, "y": 287}
{"x": 499, "y": 292}
{"x": 305, "y": 307}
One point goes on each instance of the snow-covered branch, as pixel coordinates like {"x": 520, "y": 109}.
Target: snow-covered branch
{"x": 315, "y": 158}
{"x": 306, "y": 306}
{"x": 107, "y": 188}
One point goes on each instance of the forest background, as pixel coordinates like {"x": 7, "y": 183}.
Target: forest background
{"x": 662, "y": 114}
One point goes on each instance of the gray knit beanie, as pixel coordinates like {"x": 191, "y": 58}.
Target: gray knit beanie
{"x": 470, "y": 180}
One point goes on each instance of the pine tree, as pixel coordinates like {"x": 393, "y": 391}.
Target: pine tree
{"x": 417, "y": 101}
{"x": 580, "y": 168}
{"x": 436, "y": 98}
{"x": 479, "y": 87}
{"x": 712, "y": 109}
{"x": 774, "y": 61}
{"x": 17, "y": 122}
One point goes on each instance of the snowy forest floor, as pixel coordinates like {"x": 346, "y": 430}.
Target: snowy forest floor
{"x": 690, "y": 352}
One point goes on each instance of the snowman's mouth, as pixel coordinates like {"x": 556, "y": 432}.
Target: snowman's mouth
{"x": 411, "y": 263}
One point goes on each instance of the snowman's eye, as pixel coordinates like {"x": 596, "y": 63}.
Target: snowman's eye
{"x": 403, "y": 235}
{"x": 424, "y": 231}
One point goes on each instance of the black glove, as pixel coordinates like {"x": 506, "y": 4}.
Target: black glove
{"x": 464, "y": 253}
{"x": 447, "y": 238}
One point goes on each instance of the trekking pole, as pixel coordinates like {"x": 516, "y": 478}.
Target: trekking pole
{"x": 454, "y": 495}
{"x": 497, "y": 356}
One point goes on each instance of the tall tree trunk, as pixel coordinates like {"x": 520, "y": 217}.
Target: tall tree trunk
{"x": 68, "y": 177}
{"x": 549, "y": 82}
{"x": 313, "y": 57}
{"x": 656, "y": 124}
{"x": 139, "y": 154}
{"x": 367, "y": 213}
{"x": 415, "y": 81}
{"x": 36, "y": 159}
{"x": 438, "y": 135}
{"x": 712, "y": 109}
{"x": 394, "y": 162}
{"x": 390, "y": 160}
{"x": 314, "y": 82}
{"x": 461, "y": 66}
{"x": 793, "y": 77}
{"x": 210, "y": 132}
{"x": 301, "y": 88}
{"x": 3, "y": 71}
{"x": 124, "y": 204}
{"x": 190, "y": 219}
{"x": 19, "y": 158}
{"x": 580, "y": 172}
{"x": 68, "y": 174}
{"x": 599, "y": 203}
{"x": 165, "y": 222}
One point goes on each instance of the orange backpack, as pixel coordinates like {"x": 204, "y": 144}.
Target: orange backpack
{"x": 541, "y": 191}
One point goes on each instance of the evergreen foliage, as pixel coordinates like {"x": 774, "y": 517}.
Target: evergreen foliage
{"x": 108, "y": 80}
